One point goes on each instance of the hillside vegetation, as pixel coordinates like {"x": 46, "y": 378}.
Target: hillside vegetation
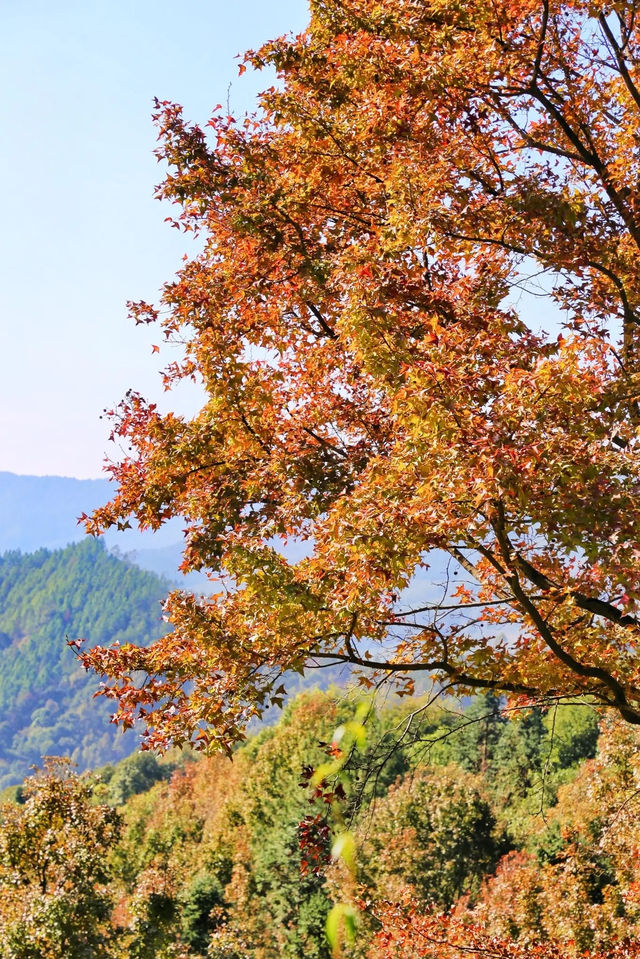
{"x": 515, "y": 832}
{"x": 46, "y": 698}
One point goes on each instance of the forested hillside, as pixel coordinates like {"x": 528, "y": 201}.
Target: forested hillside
{"x": 513, "y": 831}
{"x": 43, "y": 511}
{"x": 46, "y": 698}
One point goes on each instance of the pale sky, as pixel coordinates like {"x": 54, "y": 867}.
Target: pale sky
{"x": 81, "y": 231}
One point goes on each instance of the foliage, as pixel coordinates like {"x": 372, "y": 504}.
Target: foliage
{"x": 574, "y": 735}
{"x": 202, "y": 896}
{"x": 135, "y": 774}
{"x": 434, "y": 832}
{"x": 580, "y": 888}
{"x": 373, "y": 392}
{"x": 54, "y": 897}
{"x": 211, "y": 861}
{"x": 523, "y": 756}
{"x": 227, "y": 838}
{"x": 279, "y": 907}
{"x": 407, "y": 935}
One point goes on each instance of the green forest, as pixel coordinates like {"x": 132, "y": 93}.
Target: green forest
{"x": 519, "y": 826}
{"x": 46, "y": 698}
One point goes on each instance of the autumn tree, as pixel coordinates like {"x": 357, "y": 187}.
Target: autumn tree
{"x": 374, "y": 394}
{"x": 435, "y": 833}
{"x": 576, "y": 885}
{"x": 407, "y": 935}
{"x": 55, "y": 897}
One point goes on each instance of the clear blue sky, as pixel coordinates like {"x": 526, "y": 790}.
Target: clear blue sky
{"x": 81, "y": 231}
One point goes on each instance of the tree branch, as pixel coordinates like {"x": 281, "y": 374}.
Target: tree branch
{"x": 545, "y": 632}
{"x": 615, "y": 48}
{"x": 321, "y": 320}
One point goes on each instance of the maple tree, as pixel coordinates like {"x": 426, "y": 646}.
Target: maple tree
{"x": 373, "y": 392}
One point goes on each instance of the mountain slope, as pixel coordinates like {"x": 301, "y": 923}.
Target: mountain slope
{"x": 46, "y": 699}
{"x": 43, "y": 511}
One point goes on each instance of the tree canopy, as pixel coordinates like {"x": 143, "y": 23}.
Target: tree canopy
{"x": 55, "y": 900}
{"x": 207, "y": 857}
{"x": 373, "y": 391}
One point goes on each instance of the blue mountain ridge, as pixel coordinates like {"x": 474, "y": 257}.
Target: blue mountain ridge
{"x": 42, "y": 512}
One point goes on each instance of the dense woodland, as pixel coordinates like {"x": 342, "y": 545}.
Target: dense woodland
{"x": 46, "y": 698}
{"x": 517, "y": 825}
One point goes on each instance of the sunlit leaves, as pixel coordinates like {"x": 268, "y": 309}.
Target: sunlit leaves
{"x": 375, "y": 397}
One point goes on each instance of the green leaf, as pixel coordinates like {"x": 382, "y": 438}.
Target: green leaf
{"x": 342, "y": 916}
{"x": 344, "y": 848}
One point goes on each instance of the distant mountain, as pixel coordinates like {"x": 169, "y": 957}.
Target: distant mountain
{"x": 37, "y": 511}
{"x": 46, "y": 698}
{"x": 47, "y": 704}
{"x": 106, "y": 589}
{"x": 43, "y": 511}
